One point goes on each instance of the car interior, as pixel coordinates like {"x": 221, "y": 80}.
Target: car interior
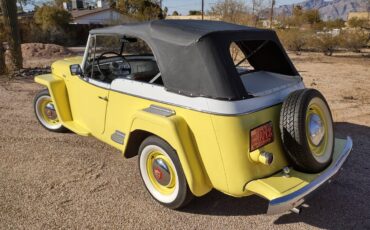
{"x": 254, "y": 60}
{"x": 111, "y": 57}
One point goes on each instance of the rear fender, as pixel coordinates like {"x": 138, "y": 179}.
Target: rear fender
{"x": 175, "y": 131}
{"x": 59, "y": 95}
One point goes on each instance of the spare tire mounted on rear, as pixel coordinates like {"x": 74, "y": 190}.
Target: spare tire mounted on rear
{"x": 306, "y": 127}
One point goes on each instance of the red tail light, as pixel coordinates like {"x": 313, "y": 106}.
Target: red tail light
{"x": 261, "y": 136}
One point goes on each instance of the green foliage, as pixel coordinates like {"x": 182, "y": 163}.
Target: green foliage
{"x": 301, "y": 17}
{"x": 49, "y": 17}
{"x": 356, "y": 22}
{"x": 294, "y": 39}
{"x": 50, "y": 23}
{"x": 175, "y": 13}
{"x": 334, "y": 24}
{"x": 354, "y": 40}
{"x": 141, "y": 9}
{"x": 311, "y": 16}
{"x": 325, "y": 42}
{"x": 195, "y": 12}
{"x": 234, "y": 11}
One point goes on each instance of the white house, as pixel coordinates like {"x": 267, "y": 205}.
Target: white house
{"x": 102, "y": 16}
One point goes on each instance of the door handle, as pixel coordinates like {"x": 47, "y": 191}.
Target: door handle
{"x": 103, "y": 98}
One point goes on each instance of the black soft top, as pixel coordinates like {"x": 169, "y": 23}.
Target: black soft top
{"x": 194, "y": 57}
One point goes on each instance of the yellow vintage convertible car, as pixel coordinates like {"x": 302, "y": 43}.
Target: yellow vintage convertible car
{"x": 205, "y": 105}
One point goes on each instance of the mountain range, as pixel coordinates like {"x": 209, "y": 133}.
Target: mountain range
{"x": 329, "y": 10}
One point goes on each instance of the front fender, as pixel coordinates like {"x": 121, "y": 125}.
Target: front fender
{"x": 58, "y": 93}
{"x": 175, "y": 131}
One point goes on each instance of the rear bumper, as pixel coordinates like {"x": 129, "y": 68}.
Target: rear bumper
{"x": 296, "y": 198}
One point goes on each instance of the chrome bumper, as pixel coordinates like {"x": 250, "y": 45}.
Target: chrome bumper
{"x": 296, "y": 198}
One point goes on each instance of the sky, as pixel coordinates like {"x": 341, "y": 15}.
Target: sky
{"x": 183, "y": 6}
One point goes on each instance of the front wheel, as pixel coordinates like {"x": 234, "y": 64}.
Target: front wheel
{"x": 162, "y": 173}
{"x": 46, "y": 113}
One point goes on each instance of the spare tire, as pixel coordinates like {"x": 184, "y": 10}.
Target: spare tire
{"x": 306, "y": 127}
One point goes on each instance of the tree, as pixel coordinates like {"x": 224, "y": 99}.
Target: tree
{"x": 49, "y": 17}
{"x": 295, "y": 39}
{"x": 11, "y": 31}
{"x": 2, "y": 51}
{"x": 233, "y": 11}
{"x": 22, "y": 3}
{"x": 141, "y": 9}
{"x": 312, "y": 16}
{"x": 175, "y": 13}
{"x": 195, "y": 12}
{"x": 53, "y": 22}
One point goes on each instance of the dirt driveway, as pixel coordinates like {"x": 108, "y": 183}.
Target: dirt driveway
{"x": 50, "y": 181}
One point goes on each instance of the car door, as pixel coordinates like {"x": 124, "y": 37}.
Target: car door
{"x": 88, "y": 101}
{"x": 88, "y": 96}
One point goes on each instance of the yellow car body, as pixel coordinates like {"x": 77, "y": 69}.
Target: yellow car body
{"x": 213, "y": 149}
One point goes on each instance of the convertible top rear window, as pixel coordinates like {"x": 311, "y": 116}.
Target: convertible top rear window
{"x": 260, "y": 55}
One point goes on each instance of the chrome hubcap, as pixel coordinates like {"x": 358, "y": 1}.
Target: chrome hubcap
{"x": 50, "y": 111}
{"x": 161, "y": 172}
{"x": 316, "y": 129}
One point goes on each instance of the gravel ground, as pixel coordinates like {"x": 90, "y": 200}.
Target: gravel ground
{"x": 53, "y": 181}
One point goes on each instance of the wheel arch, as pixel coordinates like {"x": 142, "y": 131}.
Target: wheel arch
{"x": 175, "y": 131}
{"x": 59, "y": 95}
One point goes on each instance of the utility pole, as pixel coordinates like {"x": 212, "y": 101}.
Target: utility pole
{"x": 272, "y": 12}
{"x": 202, "y": 9}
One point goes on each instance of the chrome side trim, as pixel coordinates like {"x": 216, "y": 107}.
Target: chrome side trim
{"x": 160, "y": 111}
{"x": 202, "y": 104}
{"x": 296, "y": 198}
{"x": 118, "y": 137}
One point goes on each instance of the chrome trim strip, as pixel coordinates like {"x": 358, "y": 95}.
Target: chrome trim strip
{"x": 85, "y": 53}
{"x": 202, "y": 104}
{"x": 160, "y": 111}
{"x": 118, "y": 137}
{"x": 296, "y": 198}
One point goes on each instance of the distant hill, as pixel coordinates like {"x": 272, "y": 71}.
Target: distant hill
{"x": 328, "y": 9}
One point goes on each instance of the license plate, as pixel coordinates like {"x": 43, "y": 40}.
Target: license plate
{"x": 261, "y": 136}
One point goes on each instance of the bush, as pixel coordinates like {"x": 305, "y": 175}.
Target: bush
{"x": 356, "y": 22}
{"x": 294, "y": 39}
{"x": 325, "y": 42}
{"x": 354, "y": 40}
{"x": 53, "y": 22}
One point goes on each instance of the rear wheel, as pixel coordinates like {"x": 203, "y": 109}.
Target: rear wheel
{"x": 307, "y": 130}
{"x": 162, "y": 173}
{"x": 46, "y": 113}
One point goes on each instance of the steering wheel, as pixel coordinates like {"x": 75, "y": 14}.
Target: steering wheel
{"x": 116, "y": 68}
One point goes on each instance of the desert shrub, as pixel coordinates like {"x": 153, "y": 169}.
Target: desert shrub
{"x": 325, "y": 42}
{"x": 334, "y": 24}
{"x": 53, "y": 22}
{"x": 294, "y": 39}
{"x": 354, "y": 40}
{"x": 356, "y": 22}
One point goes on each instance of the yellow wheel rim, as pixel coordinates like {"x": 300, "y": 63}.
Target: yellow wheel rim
{"x": 47, "y": 112}
{"x": 315, "y": 111}
{"x": 161, "y": 172}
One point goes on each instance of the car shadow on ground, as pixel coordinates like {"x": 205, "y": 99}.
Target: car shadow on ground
{"x": 343, "y": 204}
